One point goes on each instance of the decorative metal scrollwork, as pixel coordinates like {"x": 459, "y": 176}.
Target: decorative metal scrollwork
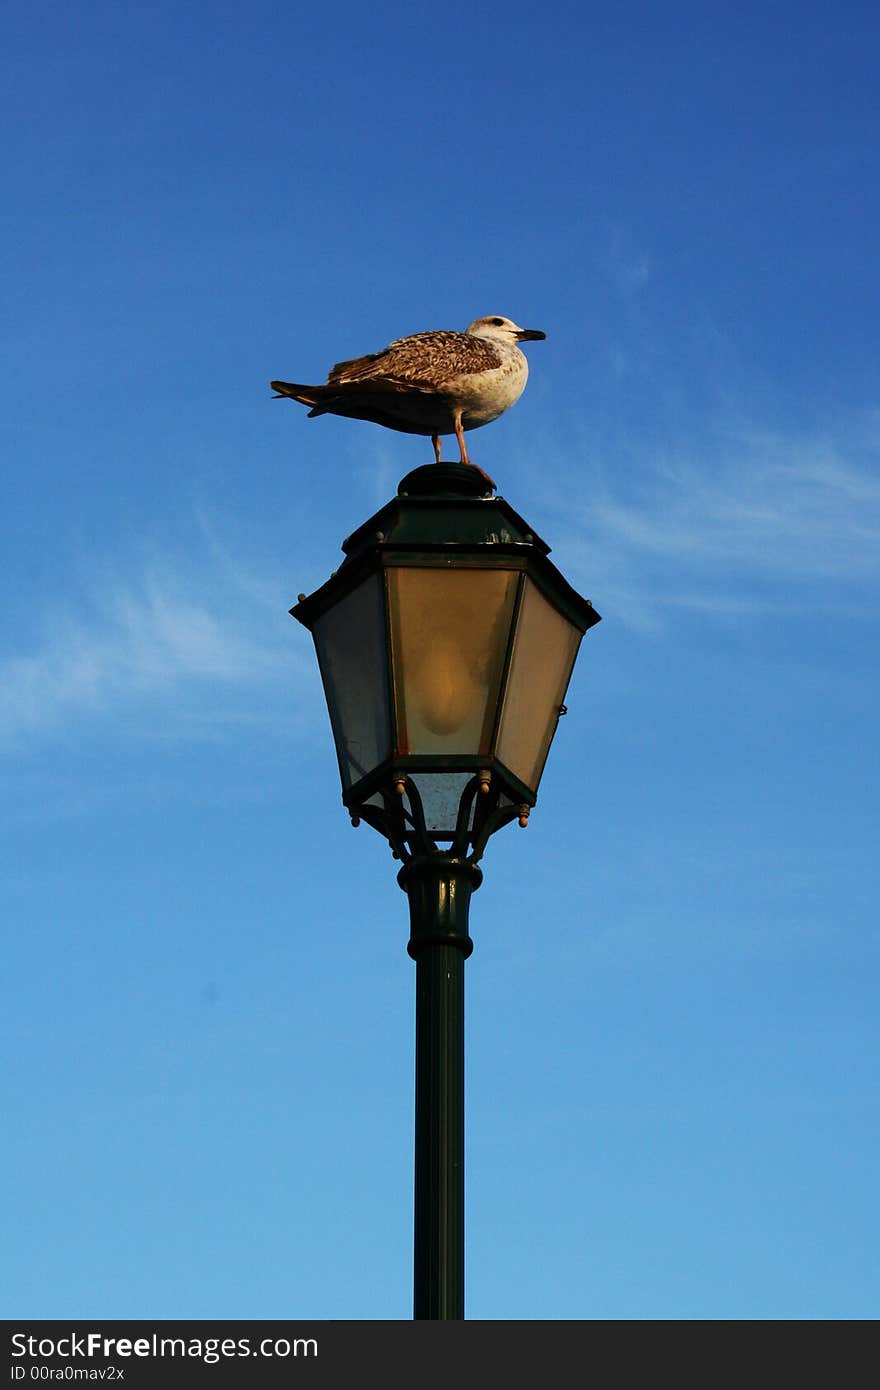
{"x": 401, "y": 820}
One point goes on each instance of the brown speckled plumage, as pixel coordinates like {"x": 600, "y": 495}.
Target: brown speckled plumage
{"x": 423, "y": 359}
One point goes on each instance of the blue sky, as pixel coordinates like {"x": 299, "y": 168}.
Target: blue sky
{"x": 208, "y": 1013}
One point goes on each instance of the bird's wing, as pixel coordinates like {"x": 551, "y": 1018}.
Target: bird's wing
{"x": 423, "y": 360}
{"x": 356, "y": 368}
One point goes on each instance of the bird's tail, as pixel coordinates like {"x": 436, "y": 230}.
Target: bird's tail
{"x": 306, "y": 395}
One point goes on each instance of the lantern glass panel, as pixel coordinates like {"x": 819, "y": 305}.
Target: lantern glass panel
{"x": 352, "y": 653}
{"x": 441, "y": 798}
{"x": 440, "y": 794}
{"x": 544, "y": 649}
{"x": 450, "y": 632}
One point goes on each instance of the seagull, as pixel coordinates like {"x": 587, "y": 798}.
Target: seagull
{"x": 432, "y": 383}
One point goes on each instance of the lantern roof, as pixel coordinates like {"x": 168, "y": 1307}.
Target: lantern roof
{"x": 446, "y": 509}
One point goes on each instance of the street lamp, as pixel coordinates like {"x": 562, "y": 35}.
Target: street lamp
{"x": 446, "y": 641}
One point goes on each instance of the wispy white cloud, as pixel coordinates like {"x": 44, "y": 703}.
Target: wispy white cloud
{"x": 750, "y": 521}
{"x": 201, "y": 644}
{"x": 629, "y": 268}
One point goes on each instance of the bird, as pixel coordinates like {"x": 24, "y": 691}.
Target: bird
{"x": 434, "y": 383}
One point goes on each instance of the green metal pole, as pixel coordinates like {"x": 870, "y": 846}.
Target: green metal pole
{"x": 439, "y": 889}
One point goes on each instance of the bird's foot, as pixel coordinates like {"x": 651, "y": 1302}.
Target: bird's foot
{"x": 483, "y": 474}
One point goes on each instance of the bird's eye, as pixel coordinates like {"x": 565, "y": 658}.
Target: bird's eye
{"x": 497, "y": 323}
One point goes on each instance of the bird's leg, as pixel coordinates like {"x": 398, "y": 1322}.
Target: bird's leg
{"x": 459, "y": 434}
{"x": 435, "y": 440}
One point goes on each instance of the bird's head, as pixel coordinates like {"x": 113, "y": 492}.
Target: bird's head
{"x": 501, "y": 330}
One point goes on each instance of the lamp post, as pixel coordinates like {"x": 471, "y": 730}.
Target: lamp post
{"x": 446, "y": 641}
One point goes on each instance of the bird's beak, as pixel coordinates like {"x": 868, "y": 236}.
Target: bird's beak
{"x": 528, "y": 335}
